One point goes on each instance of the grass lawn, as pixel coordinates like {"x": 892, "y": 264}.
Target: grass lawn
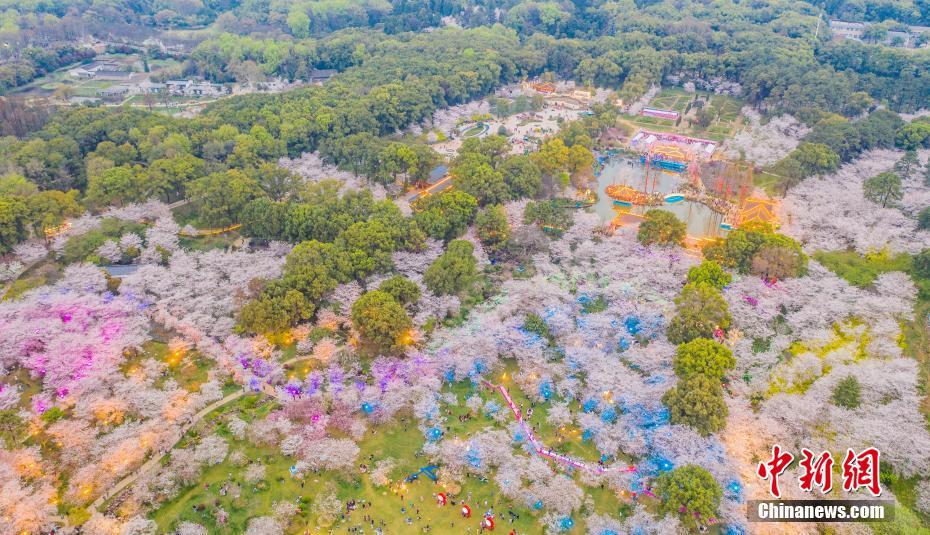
{"x": 159, "y": 64}
{"x": 861, "y": 270}
{"x": 725, "y": 123}
{"x": 89, "y": 88}
{"x": 474, "y": 131}
{"x": 189, "y": 369}
{"x": 767, "y": 182}
{"x": 566, "y": 440}
{"x": 23, "y": 285}
{"x": 207, "y": 243}
{"x": 399, "y": 440}
{"x": 672, "y": 98}
{"x": 648, "y": 123}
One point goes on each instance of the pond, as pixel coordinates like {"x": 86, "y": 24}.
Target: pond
{"x": 701, "y": 221}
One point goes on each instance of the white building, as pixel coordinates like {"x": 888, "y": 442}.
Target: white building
{"x": 91, "y": 69}
{"x": 190, "y": 88}
{"x": 912, "y": 38}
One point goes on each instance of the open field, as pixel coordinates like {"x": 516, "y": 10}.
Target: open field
{"x": 404, "y": 507}
{"x": 725, "y": 123}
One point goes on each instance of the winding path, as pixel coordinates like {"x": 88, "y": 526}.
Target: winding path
{"x": 155, "y": 460}
{"x": 547, "y": 452}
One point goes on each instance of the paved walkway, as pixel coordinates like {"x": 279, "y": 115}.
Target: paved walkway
{"x": 178, "y": 204}
{"x": 442, "y": 184}
{"x": 155, "y": 460}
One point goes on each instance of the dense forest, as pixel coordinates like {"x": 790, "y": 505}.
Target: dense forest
{"x": 770, "y": 50}
{"x": 774, "y": 49}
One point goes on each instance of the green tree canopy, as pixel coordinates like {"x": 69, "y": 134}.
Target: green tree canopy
{"x": 13, "y": 222}
{"x": 311, "y": 270}
{"x": 551, "y": 213}
{"x": 522, "y": 176}
{"x": 116, "y": 186}
{"x": 16, "y": 185}
{"x": 740, "y": 249}
{"x": 709, "y": 272}
{"x": 699, "y": 310}
{"x": 221, "y": 197}
{"x": 447, "y": 215}
{"x": 688, "y": 491}
{"x": 381, "y": 321}
{"x": 698, "y": 403}
{"x": 168, "y": 178}
{"x": 922, "y": 264}
{"x": 816, "y": 158}
{"x": 703, "y": 356}
{"x": 402, "y": 289}
{"x": 779, "y": 261}
{"x": 277, "y": 182}
{"x": 493, "y": 229}
{"x": 552, "y": 158}
{"x": 12, "y": 427}
{"x": 923, "y": 219}
{"x": 454, "y": 270}
{"x": 661, "y": 227}
{"x": 474, "y": 174}
{"x": 883, "y": 188}
{"x": 369, "y": 246}
{"x": 913, "y": 135}
{"x": 398, "y": 160}
{"x": 50, "y": 208}
{"x": 908, "y": 165}
{"x": 274, "y": 311}
{"x": 846, "y": 393}
{"x": 493, "y": 149}
{"x": 264, "y": 219}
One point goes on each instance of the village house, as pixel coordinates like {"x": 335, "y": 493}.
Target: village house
{"x": 114, "y": 75}
{"x": 318, "y": 76}
{"x": 847, "y": 30}
{"x": 914, "y": 37}
{"x": 190, "y": 88}
{"x": 114, "y": 92}
{"x": 206, "y": 89}
{"x": 91, "y": 70}
{"x": 78, "y": 101}
{"x": 149, "y": 87}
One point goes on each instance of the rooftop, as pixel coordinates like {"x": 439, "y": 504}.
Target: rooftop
{"x": 322, "y": 74}
{"x": 118, "y": 270}
{"x": 114, "y": 74}
{"x": 437, "y": 173}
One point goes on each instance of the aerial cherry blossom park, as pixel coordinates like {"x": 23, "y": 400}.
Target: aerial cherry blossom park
{"x": 602, "y": 336}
